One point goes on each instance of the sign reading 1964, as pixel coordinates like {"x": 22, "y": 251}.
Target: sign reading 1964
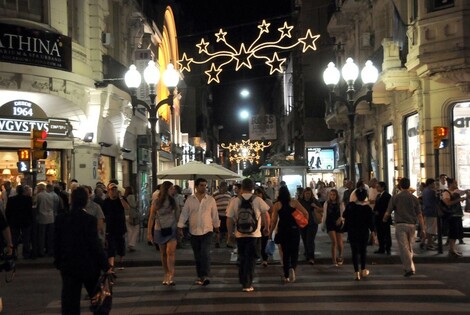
{"x": 20, "y": 117}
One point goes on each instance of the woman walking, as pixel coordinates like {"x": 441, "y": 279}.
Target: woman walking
{"x": 165, "y": 212}
{"x": 308, "y": 233}
{"x": 332, "y": 221}
{"x": 358, "y": 221}
{"x": 288, "y": 232}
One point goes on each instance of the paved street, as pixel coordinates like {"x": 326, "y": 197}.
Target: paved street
{"x": 321, "y": 288}
{"x": 440, "y": 286}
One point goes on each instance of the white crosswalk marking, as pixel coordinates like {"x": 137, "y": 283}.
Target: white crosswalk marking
{"x": 319, "y": 288}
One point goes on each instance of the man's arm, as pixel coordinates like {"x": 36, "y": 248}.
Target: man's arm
{"x": 388, "y": 213}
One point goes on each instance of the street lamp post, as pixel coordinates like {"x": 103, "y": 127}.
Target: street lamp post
{"x": 350, "y": 72}
{"x": 151, "y": 76}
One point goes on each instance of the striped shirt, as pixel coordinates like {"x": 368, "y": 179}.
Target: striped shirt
{"x": 222, "y": 200}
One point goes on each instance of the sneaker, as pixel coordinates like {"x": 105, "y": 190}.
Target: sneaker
{"x": 285, "y": 280}
{"x": 364, "y": 273}
{"x": 250, "y": 289}
{"x": 292, "y": 274}
{"x": 198, "y": 282}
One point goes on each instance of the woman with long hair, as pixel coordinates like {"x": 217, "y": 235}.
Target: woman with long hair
{"x": 309, "y": 232}
{"x": 332, "y": 222}
{"x": 165, "y": 213}
{"x": 260, "y": 192}
{"x": 288, "y": 232}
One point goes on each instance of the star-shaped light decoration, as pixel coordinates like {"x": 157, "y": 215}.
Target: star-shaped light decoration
{"x": 245, "y": 151}
{"x": 309, "y": 41}
{"x": 264, "y": 27}
{"x": 185, "y": 63}
{"x": 285, "y": 30}
{"x": 276, "y": 64}
{"x": 213, "y": 73}
{"x": 203, "y": 46}
{"x": 256, "y": 49}
{"x": 220, "y": 36}
{"x": 243, "y": 58}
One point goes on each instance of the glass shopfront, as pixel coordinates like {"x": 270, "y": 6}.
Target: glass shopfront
{"x": 413, "y": 149}
{"x": 389, "y": 157}
{"x": 461, "y": 134}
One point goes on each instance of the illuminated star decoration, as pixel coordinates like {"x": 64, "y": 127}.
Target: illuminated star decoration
{"x": 242, "y": 55}
{"x": 245, "y": 151}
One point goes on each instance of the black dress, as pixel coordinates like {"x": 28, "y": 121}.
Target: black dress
{"x": 288, "y": 235}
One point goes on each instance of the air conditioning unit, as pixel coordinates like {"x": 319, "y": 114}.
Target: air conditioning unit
{"x": 106, "y": 39}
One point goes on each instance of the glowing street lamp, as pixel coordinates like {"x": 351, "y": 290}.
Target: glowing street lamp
{"x": 133, "y": 80}
{"x": 350, "y": 72}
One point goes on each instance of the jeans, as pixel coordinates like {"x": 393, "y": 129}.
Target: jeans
{"x": 308, "y": 234}
{"x": 201, "y": 245}
{"x": 405, "y": 234}
{"x": 247, "y": 254}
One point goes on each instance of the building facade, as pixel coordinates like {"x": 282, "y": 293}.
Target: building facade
{"x": 421, "y": 49}
{"x": 62, "y": 70}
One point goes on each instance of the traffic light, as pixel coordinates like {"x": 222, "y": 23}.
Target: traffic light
{"x": 24, "y": 155}
{"x": 23, "y": 166}
{"x": 39, "y": 144}
{"x": 440, "y": 140}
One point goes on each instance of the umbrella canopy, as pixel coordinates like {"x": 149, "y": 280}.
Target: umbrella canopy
{"x": 193, "y": 170}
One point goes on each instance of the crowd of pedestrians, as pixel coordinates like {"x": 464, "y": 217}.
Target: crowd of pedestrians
{"x": 358, "y": 214}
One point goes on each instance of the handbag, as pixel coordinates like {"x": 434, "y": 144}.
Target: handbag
{"x": 317, "y": 216}
{"x": 300, "y": 219}
{"x": 101, "y": 301}
{"x": 166, "y": 231}
{"x": 270, "y": 248}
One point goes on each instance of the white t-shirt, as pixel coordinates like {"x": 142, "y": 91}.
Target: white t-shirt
{"x": 259, "y": 206}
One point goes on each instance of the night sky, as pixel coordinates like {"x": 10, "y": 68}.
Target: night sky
{"x": 240, "y": 19}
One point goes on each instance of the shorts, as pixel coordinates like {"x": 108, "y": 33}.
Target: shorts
{"x": 431, "y": 225}
{"x": 116, "y": 244}
{"x": 223, "y": 224}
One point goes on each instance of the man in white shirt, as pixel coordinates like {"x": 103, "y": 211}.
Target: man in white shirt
{"x": 201, "y": 210}
{"x": 246, "y": 242}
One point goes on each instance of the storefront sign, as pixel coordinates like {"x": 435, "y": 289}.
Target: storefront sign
{"x": 35, "y": 47}
{"x": 263, "y": 127}
{"x": 20, "y": 117}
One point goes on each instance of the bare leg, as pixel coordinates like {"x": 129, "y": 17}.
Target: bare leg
{"x": 164, "y": 259}
{"x": 171, "y": 255}
{"x": 339, "y": 240}
{"x": 332, "y": 235}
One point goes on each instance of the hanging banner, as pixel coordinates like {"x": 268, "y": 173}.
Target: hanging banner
{"x": 263, "y": 127}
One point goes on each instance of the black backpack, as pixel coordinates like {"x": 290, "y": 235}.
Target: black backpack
{"x": 246, "y": 219}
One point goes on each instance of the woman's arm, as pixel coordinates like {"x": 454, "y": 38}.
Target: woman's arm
{"x": 325, "y": 207}
{"x": 297, "y": 205}
{"x": 151, "y": 221}
{"x": 274, "y": 218}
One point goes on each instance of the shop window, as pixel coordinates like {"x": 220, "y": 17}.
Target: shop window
{"x": 435, "y": 5}
{"x": 32, "y": 10}
{"x": 461, "y": 146}
{"x": 106, "y": 169}
{"x": 412, "y": 150}
{"x": 389, "y": 157}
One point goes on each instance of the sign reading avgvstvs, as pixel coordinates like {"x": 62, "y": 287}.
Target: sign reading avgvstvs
{"x": 263, "y": 127}
{"x": 20, "y": 117}
{"x": 35, "y": 47}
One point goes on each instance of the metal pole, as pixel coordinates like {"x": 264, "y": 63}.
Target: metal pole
{"x": 439, "y": 219}
{"x": 153, "y": 126}
{"x": 352, "y": 147}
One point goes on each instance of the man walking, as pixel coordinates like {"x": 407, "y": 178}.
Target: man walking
{"x": 407, "y": 212}
{"x": 201, "y": 211}
{"x": 384, "y": 235}
{"x": 222, "y": 199}
{"x": 246, "y": 242}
